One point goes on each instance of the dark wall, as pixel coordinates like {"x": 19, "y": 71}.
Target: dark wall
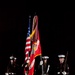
{"x": 56, "y": 34}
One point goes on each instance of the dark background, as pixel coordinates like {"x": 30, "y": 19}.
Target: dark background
{"x": 56, "y": 34}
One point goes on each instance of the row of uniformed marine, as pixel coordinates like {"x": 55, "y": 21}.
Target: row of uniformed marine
{"x": 43, "y": 67}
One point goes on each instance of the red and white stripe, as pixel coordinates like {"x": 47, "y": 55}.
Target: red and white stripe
{"x": 27, "y": 48}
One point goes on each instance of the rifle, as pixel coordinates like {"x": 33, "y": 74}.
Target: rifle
{"x": 65, "y": 63}
{"x": 48, "y": 68}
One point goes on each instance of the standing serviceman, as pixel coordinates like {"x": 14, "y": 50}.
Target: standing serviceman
{"x": 62, "y": 68}
{"x": 44, "y": 66}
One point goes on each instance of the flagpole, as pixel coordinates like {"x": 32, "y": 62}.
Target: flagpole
{"x": 42, "y": 64}
{"x": 41, "y": 60}
{"x": 35, "y": 26}
{"x": 29, "y": 26}
{"x": 41, "y": 54}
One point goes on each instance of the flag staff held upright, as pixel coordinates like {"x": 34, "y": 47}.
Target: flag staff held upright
{"x": 41, "y": 54}
{"x": 42, "y": 65}
{"x": 29, "y": 26}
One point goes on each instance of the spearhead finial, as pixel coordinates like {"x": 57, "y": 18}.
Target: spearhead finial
{"x": 29, "y": 16}
{"x": 35, "y": 13}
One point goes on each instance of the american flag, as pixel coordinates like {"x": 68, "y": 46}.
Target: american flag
{"x": 28, "y": 42}
{"x": 28, "y": 45}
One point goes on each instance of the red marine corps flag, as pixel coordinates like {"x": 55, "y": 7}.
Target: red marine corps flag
{"x": 36, "y": 47}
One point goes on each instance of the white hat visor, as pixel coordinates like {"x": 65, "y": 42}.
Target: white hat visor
{"x": 45, "y": 57}
{"x": 61, "y": 56}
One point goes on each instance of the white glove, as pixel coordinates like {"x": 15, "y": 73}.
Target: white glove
{"x": 41, "y": 62}
{"x": 25, "y": 65}
{"x": 6, "y": 73}
{"x": 58, "y": 72}
{"x": 64, "y": 73}
{"x": 48, "y": 68}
